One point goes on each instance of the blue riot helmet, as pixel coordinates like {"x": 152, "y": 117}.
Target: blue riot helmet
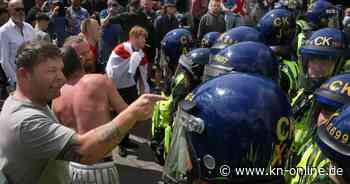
{"x": 209, "y": 39}
{"x": 332, "y": 138}
{"x": 233, "y": 121}
{"x": 194, "y": 62}
{"x": 246, "y": 57}
{"x": 323, "y": 56}
{"x": 334, "y": 92}
{"x": 175, "y": 43}
{"x": 321, "y": 14}
{"x": 331, "y": 96}
{"x": 236, "y": 35}
{"x": 277, "y": 27}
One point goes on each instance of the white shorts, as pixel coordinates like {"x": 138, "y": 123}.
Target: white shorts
{"x": 100, "y": 173}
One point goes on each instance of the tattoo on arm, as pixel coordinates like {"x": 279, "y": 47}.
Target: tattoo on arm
{"x": 70, "y": 152}
{"x": 109, "y": 135}
{"x": 106, "y": 137}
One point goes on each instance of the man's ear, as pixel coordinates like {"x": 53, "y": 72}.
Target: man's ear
{"x": 23, "y": 73}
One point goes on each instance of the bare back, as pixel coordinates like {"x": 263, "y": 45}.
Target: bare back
{"x": 90, "y": 104}
{"x": 85, "y": 105}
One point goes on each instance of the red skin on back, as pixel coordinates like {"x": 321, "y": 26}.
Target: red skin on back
{"x": 85, "y": 105}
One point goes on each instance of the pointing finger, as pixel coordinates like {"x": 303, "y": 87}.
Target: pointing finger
{"x": 154, "y": 98}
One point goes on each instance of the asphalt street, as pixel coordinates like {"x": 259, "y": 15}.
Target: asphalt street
{"x": 139, "y": 166}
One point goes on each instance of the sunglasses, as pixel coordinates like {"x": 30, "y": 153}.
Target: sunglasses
{"x": 19, "y": 9}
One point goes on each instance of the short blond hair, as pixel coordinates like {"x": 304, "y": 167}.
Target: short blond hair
{"x": 138, "y": 31}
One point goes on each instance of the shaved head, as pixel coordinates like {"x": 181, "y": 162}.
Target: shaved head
{"x": 16, "y": 11}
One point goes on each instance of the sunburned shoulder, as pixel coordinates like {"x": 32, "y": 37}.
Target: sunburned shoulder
{"x": 66, "y": 93}
{"x": 95, "y": 79}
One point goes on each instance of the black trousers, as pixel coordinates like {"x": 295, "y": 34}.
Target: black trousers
{"x": 129, "y": 95}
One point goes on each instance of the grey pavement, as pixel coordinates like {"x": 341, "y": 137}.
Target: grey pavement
{"x": 139, "y": 166}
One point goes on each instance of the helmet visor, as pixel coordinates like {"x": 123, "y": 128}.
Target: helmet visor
{"x": 318, "y": 67}
{"x": 211, "y": 71}
{"x": 186, "y": 62}
{"x": 320, "y": 112}
{"x": 179, "y": 166}
{"x": 324, "y": 115}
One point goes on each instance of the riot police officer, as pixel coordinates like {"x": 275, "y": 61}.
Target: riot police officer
{"x": 174, "y": 44}
{"x": 187, "y": 76}
{"x": 333, "y": 140}
{"x": 246, "y": 57}
{"x": 229, "y": 123}
{"x": 330, "y": 97}
{"x": 278, "y": 29}
{"x": 322, "y": 57}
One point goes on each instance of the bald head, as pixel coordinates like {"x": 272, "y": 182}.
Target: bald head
{"x": 16, "y": 11}
{"x": 81, "y": 47}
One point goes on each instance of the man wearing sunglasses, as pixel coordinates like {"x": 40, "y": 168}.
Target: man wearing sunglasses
{"x": 12, "y": 35}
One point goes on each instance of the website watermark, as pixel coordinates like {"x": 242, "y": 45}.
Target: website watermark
{"x": 225, "y": 171}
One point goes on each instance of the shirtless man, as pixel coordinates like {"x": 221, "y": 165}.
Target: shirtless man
{"x": 86, "y": 100}
{"x": 85, "y": 103}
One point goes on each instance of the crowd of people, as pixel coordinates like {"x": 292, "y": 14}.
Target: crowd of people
{"x": 234, "y": 83}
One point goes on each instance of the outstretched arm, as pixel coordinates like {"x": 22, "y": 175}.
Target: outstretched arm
{"x": 95, "y": 144}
